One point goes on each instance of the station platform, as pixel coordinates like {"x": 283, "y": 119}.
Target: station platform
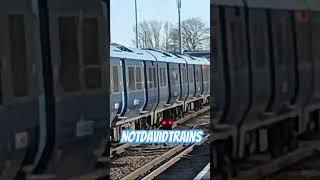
{"x": 204, "y": 174}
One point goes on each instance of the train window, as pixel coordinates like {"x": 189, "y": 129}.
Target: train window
{"x": 174, "y": 74}
{"x": 165, "y": 76}
{"x": 205, "y": 75}
{"x": 138, "y": 78}
{"x": 184, "y": 75}
{"x": 163, "y": 80}
{"x": 131, "y": 78}
{"x": 150, "y": 78}
{"x": 90, "y": 53}
{"x": 115, "y": 80}
{"x": 236, "y": 46}
{"x": 191, "y": 75}
{"x": 69, "y": 71}
{"x": 198, "y": 75}
{"x": 90, "y": 41}
{"x": 161, "y": 77}
{"x": 18, "y": 55}
{"x": 259, "y": 44}
{"x": 154, "y": 77}
{"x": 280, "y": 43}
{"x": 287, "y": 42}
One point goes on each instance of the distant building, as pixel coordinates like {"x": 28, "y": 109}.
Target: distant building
{"x": 205, "y": 54}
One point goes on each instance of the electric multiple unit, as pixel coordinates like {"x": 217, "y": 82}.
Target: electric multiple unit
{"x": 151, "y": 89}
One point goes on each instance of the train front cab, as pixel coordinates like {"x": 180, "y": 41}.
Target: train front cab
{"x": 76, "y": 124}
{"x": 312, "y": 110}
{"x": 21, "y": 89}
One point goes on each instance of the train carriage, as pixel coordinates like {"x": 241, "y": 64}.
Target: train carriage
{"x": 270, "y": 48}
{"x": 55, "y": 113}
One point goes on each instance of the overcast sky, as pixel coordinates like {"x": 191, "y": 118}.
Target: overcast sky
{"x": 123, "y": 15}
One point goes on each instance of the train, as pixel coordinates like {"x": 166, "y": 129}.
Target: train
{"x": 266, "y": 75}
{"x": 54, "y": 89}
{"x": 152, "y": 89}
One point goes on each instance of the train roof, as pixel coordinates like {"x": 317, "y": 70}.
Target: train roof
{"x": 203, "y": 60}
{"x": 165, "y": 57}
{"x": 178, "y": 59}
{"x": 190, "y": 59}
{"x": 144, "y": 53}
{"x": 228, "y": 2}
{"x": 130, "y": 53}
{"x": 274, "y": 4}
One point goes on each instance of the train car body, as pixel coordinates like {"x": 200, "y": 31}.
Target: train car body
{"x": 166, "y": 84}
{"x": 53, "y": 54}
{"x": 265, "y": 75}
{"x": 21, "y": 87}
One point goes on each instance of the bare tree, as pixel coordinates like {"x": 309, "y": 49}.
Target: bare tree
{"x": 195, "y": 34}
{"x": 166, "y": 39}
{"x": 174, "y": 40}
{"x": 149, "y": 34}
{"x": 165, "y": 36}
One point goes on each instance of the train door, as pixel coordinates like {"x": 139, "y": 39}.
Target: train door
{"x": 304, "y": 61}
{"x": 79, "y": 47}
{"x": 218, "y": 68}
{"x": 20, "y": 86}
{"x": 116, "y": 85}
{"x": 184, "y": 82}
{"x": 152, "y": 84}
{"x": 192, "y": 84}
{"x": 315, "y": 19}
{"x": 135, "y": 87}
{"x": 174, "y": 83}
{"x": 283, "y": 60}
{"x": 205, "y": 78}
{"x": 259, "y": 52}
{"x": 198, "y": 80}
{"x": 238, "y": 64}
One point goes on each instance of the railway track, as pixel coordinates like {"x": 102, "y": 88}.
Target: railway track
{"x": 262, "y": 167}
{"x": 116, "y": 151}
{"x": 148, "y": 161}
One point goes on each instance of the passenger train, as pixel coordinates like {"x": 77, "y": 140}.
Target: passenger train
{"x": 152, "y": 89}
{"x": 53, "y": 89}
{"x": 266, "y": 61}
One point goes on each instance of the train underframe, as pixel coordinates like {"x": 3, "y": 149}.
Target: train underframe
{"x": 159, "y": 119}
{"x": 275, "y": 136}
